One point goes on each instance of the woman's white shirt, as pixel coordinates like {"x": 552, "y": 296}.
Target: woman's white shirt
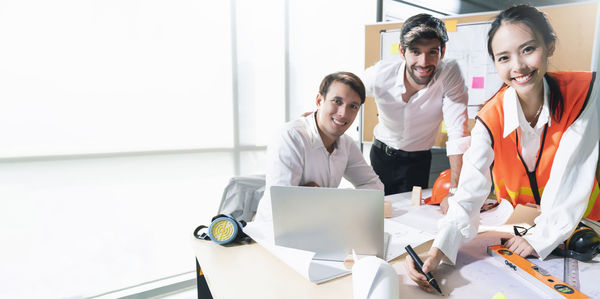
{"x": 564, "y": 199}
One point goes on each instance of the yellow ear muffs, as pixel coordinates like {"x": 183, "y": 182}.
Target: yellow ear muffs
{"x": 583, "y": 244}
{"x": 223, "y": 229}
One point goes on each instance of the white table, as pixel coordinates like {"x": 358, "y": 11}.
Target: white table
{"x": 250, "y": 271}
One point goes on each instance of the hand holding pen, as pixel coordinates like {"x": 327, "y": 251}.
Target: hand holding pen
{"x": 420, "y": 272}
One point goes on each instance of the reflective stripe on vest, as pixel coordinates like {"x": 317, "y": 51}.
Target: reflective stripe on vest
{"x": 509, "y": 170}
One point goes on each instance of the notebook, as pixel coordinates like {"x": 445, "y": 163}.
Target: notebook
{"x": 328, "y": 221}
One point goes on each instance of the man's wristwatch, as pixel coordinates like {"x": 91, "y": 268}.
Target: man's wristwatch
{"x": 452, "y": 190}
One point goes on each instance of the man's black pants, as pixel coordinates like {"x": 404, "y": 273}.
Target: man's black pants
{"x": 399, "y": 170}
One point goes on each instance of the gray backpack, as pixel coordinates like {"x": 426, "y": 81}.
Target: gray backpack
{"x": 238, "y": 206}
{"x": 241, "y": 197}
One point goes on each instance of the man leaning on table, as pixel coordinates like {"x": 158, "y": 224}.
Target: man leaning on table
{"x": 413, "y": 96}
{"x": 314, "y": 151}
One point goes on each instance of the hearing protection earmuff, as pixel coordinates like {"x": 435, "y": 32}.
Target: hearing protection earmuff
{"x": 582, "y": 245}
{"x": 223, "y": 229}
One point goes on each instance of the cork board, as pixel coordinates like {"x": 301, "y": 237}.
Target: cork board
{"x": 574, "y": 25}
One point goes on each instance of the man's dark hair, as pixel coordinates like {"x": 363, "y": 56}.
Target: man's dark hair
{"x": 347, "y": 78}
{"x": 422, "y": 26}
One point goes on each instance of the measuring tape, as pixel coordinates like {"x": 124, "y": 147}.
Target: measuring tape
{"x": 550, "y": 285}
{"x": 571, "y": 272}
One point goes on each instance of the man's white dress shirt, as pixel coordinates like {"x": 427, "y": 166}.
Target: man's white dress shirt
{"x": 565, "y": 197}
{"x": 298, "y": 156}
{"x": 414, "y": 125}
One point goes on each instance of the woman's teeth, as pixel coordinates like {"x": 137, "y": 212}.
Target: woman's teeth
{"x": 523, "y": 78}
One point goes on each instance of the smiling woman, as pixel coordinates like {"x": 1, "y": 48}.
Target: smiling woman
{"x": 547, "y": 158}
{"x": 521, "y": 58}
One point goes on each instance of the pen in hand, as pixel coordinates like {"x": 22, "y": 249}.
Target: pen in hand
{"x": 419, "y": 264}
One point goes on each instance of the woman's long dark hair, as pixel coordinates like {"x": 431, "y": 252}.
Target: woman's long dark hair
{"x": 537, "y": 23}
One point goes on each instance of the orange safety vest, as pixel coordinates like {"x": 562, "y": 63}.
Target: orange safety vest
{"x": 512, "y": 180}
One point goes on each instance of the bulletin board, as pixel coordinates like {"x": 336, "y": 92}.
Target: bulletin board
{"x": 577, "y": 39}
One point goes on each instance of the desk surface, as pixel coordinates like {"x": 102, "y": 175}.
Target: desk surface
{"x": 250, "y": 271}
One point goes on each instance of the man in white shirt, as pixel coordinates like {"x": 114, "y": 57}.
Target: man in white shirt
{"x": 412, "y": 97}
{"x": 314, "y": 151}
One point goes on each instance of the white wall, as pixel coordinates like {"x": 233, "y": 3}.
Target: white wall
{"x": 325, "y": 37}
{"x": 394, "y": 11}
{"x": 260, "y": 51}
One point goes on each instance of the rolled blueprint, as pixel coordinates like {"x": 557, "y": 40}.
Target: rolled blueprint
{"x": 374, "y": 278}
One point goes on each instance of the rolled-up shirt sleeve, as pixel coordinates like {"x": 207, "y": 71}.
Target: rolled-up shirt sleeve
{"x": 461, "y": 222}
{"x": 359, "y": 173}
{"x": 571, "y": 181}
{"x": 454, "y": 108}
{"x": 458, "y": 146}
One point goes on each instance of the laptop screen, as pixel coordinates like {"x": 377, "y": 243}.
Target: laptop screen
{"x": 328, "y": 221}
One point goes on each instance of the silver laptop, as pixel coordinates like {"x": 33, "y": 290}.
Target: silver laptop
{"x": 330, "y": 222}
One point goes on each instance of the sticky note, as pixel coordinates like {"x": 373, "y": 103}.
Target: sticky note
{"x": 451, "y": 25}
{"x": 395, "y": 49}
{"x": 499, "y": 295}
{"x": 477, "y": 82}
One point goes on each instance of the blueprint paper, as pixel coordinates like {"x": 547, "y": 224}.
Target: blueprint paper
{"x": 374, "y": 278}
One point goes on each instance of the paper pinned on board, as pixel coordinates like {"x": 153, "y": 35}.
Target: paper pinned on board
{"x": 478, "y": 82}
{"x": 395, "y": 48}
{"x": 451, "y": 25}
